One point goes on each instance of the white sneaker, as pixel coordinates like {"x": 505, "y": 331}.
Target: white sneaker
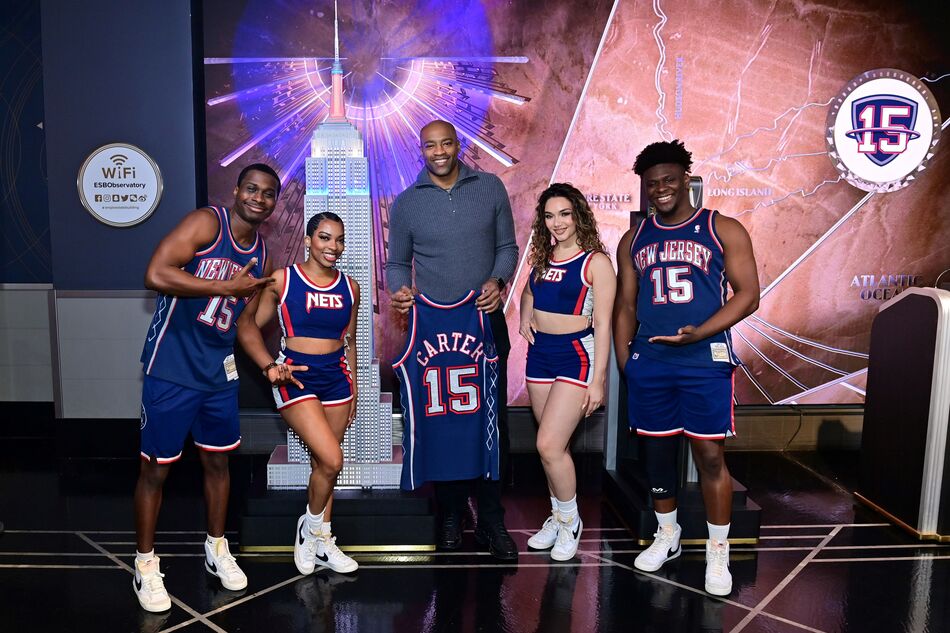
{"x": 718, "y": 578}
{"x": 547, "y": 535}
{"x": 305, "y": 547}
{"x": 220, "y": 563}
{"x": 665, "y": 546}
{"x": 149, "y": 586}
{"x": 329, "y": 555}
{"x": 568, "y": 539}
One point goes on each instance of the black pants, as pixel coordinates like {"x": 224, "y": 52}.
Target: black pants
{"x": 453, "y": 495}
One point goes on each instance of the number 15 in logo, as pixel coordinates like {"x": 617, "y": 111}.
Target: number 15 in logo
{"x": 451, "y": 389}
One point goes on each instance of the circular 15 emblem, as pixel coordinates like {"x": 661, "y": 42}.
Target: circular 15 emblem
{"x": 882, "y": 129}
{"x": 119, "y": 184}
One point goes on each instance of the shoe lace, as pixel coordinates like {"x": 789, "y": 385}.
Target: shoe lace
{"x": 662, "y": 540}
{"x": 228, "y": 564}
{"x": 564, "y": 535}
{"x": 153, "y": 582}
{"x": 717, "y": 559}
{"x": 310, "y": 543}
{"x": 552, "y": 523}
{"x": 329, "y": 545}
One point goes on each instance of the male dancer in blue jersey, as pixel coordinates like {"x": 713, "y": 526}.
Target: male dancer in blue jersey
{"x": 453, "y": 230}
{"x": 671, "y": 330}
{"x": 206, "y": 272}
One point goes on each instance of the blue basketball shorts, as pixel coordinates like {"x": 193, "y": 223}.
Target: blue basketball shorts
{"x": 668, "y": 399}
{"x": 170, "y": 411}
{"x": 327, "y": 379}
{"x": 565, "y": 357}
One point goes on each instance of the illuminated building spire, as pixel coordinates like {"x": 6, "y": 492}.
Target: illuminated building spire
{"x": 337, "y": 109}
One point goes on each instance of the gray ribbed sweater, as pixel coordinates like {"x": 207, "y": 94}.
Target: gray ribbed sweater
{"x": 457, "y": 239}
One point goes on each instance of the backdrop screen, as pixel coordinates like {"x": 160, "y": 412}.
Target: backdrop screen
{"x": 572, "y": 91}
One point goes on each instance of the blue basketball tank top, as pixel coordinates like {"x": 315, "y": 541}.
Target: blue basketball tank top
{"x": 563, "y": 287}
{"x": 308, "y": 309}
{"x": 191, "y": 339}
{"x": 682, "y": 275}
{"x": 448, "y": 383}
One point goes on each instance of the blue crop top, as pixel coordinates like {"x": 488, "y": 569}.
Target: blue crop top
{"x": 308, "y": 309}
{"x": 563, "y": 287}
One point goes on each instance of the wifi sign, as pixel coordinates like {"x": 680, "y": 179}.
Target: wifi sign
{"x": 120, "y": 171}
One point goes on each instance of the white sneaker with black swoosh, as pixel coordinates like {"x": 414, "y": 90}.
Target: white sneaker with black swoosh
{"x": 547, "y": 535}
{"x": 220, "y": 563}
{"x": 305, "y": 547}
{"x": 149, "y": 586}
{"x": 665, "y": 546}
{"x": 329, "y": 555}
{"x": 568, "y": 538}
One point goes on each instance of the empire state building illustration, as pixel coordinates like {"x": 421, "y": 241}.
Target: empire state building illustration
{"x": 337, "y": 174}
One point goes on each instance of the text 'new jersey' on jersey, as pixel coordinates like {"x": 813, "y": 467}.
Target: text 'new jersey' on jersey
{"x": 682, "y": 279}
{"x": 308, "y": 309}
{"x": 563, "y": 287}
{"x": 191, "y": 339}
{"x": 448, "y": 383}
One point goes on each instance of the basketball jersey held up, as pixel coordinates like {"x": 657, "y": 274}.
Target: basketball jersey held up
{"x": 308, "y": 309}
{"x": 448, "y": 382}
{"x": 191, "y": 339}
{"x": 682, "y": 279}
{"x": 563, "y": 287}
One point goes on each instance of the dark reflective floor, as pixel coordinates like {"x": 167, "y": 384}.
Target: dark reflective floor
{"x": 823, "y": 563}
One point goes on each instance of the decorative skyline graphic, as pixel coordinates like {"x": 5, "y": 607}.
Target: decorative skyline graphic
{"x": 337, "y": 180}
{"x": 574, "y": 97}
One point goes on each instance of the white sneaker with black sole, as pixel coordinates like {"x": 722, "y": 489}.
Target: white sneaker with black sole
{"x": 665, "y": 546}
{"x": 568, "y": 538}
{"x": 149, "y": 586}
{"x": 547, "y": 535}
{"x": 329, "y": 555}
{"x": 219, "y": 562}
{"x": 718, "y": 578}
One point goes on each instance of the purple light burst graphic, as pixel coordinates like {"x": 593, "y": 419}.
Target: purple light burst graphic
{"x": 402, "y": 71}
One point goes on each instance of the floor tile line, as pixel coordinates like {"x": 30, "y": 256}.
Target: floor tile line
{"x": 792, "y": 537}
{"x": 157, "y": 533}
{"x": 512, "y": 565}
{"x": 785, "y": 581}
{"x": 533, "y": 553}
{"x": 803, "y": 526}
{"x": 881, "y": 559}
{"x": 256, "y": 594}
{"x": 41, "y": 566}
{"x": 668, "y": 581}
{"x": 129, "y": 569}
{"x": 96, "y": 554}
{"x": 717, "y": 598}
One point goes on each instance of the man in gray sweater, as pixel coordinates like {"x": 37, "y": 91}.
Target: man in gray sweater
{"x": 454, "y": 227}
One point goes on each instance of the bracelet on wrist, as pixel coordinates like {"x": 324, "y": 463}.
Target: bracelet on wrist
{"x": 269, "y": 367}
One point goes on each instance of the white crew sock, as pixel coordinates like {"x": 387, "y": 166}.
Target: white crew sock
{"x": 718, "y": 534}
{"x": 553, "y": 505}
{"x": 314, "y": 521}
{"x": 214, "y": 540}
{"x": 144, "y": 557}
{"x": 666, "y": 520}
{"x": 568, "y": 511}
{"x": 325, "y": 529}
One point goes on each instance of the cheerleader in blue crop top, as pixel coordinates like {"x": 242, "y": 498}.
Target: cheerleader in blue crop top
{"x": 565, "y": 317}
{"x": 317, "y": 306}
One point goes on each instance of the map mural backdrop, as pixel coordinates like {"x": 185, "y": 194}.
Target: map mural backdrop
{"x": 569, "y": 91}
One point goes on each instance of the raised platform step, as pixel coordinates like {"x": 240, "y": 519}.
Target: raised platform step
{"x": 367, "y": 521}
